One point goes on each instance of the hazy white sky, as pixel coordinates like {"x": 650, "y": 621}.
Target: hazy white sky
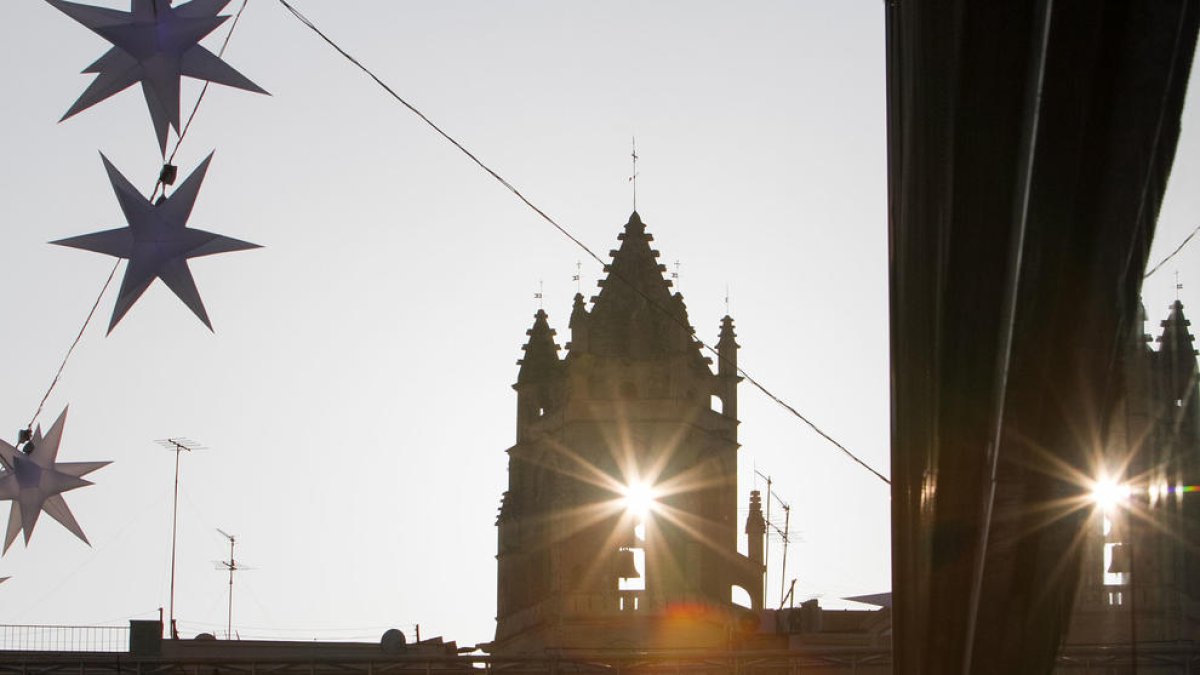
{"x": 356, "y": 394}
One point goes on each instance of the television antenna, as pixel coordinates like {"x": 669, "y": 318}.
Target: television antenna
{"x": 231, "y": 565}
{"x": 177, "y": 446}
{"x": 784, "y": 534}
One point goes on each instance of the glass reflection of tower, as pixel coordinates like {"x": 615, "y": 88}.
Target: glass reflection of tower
{"x": 1140, "y": 580}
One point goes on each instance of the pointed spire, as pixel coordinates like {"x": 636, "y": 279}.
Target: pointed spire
{"x": 541, "y": 353}
{"x": 636, "y": 264}
{"x": 580, "y": 319}
{"x": 756, "y": 530}
{"x": 755, "y": 523}
{"x": 1177, "y": 355}
{"x": 1175, "y": 339}
{"x": 727, "y": 347}
{"x": 628, "y": 317}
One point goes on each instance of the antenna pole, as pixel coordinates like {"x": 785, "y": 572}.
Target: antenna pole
{"x": 177, "y": 446}
{"x": 767, "y": 551}
{"x": 174, "y": 536}
{"x": 784, "y": 535}
{"x": 232, "y": 567}
{"x": 790, "y": 596}
{"x": 787, "y": 517}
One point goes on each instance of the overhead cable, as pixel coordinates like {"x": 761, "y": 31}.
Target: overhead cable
{"x": 511, "y": 188}
{"x": 157, "y": 185}
{"x": 1173, "y": 253}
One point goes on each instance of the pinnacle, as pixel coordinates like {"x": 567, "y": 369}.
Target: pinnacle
{"x": 727, "y": 328}
{"x": 541, "y": 353}
{"x": 1175, "y": 338}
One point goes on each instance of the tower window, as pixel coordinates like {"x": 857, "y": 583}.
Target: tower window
{"x": 740, "y": 597}
{"x": 718, "y": 404}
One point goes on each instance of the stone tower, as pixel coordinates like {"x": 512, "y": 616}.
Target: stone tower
{"x": 618, "y": 528}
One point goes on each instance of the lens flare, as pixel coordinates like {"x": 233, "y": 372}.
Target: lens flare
{"x": 1108, "y": 493}
{"x": 639, "y": 499}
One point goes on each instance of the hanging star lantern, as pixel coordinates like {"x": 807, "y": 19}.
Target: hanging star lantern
{"x": 34, "y": 481}
{"x": 157, "y": 242}
{"x": 155, "y": 44}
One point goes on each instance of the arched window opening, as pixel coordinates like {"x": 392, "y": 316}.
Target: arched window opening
{"x": 740, "y": 597}
{"x": 717, "y": 403}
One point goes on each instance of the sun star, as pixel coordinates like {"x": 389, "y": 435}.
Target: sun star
{"x": 639, "y": 499}
{"x": 157, "y": 242}
{"x": 34, "y": 482}
{"x": 155, "y": 44}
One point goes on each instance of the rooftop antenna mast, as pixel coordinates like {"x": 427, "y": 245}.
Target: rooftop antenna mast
{"x": 177, "y": 446}
{"x": 790, "y": 595}
{"x": 783, "y": 533}
{"x": 787, "y": 519}
{"x": 231, "y": 566}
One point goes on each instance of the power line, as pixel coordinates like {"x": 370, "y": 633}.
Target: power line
{"x": 199, "y": 99}
{"x": 74, "y": 343}
{"x": 307, "y": 22}
{"x": 1173, "y": 253}
{"x": 157, "y": 185}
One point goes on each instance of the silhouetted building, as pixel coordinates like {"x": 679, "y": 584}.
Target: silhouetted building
{"x": 1140, "y": 583}
{"x": 618, "y": 529}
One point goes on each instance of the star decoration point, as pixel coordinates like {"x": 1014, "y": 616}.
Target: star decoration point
{"x": 34, "y": 482}
{"x": 157, "y": 242}
{"x": 154, "y": 44}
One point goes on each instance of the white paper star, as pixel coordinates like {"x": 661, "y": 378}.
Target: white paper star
{"x": 34, "y": 482}
{"x": 155, "y": 44}
{"x": 157, "y": 242}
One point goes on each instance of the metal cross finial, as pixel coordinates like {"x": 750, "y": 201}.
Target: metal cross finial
{"x": 726, "y": 299}
{"x": 538, "y": 296}
{"x": 578, "y": 275}
{"x": 1178, "y": 285}
{"x": 675, "y": 275}
{"x": 633, "y": 178}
